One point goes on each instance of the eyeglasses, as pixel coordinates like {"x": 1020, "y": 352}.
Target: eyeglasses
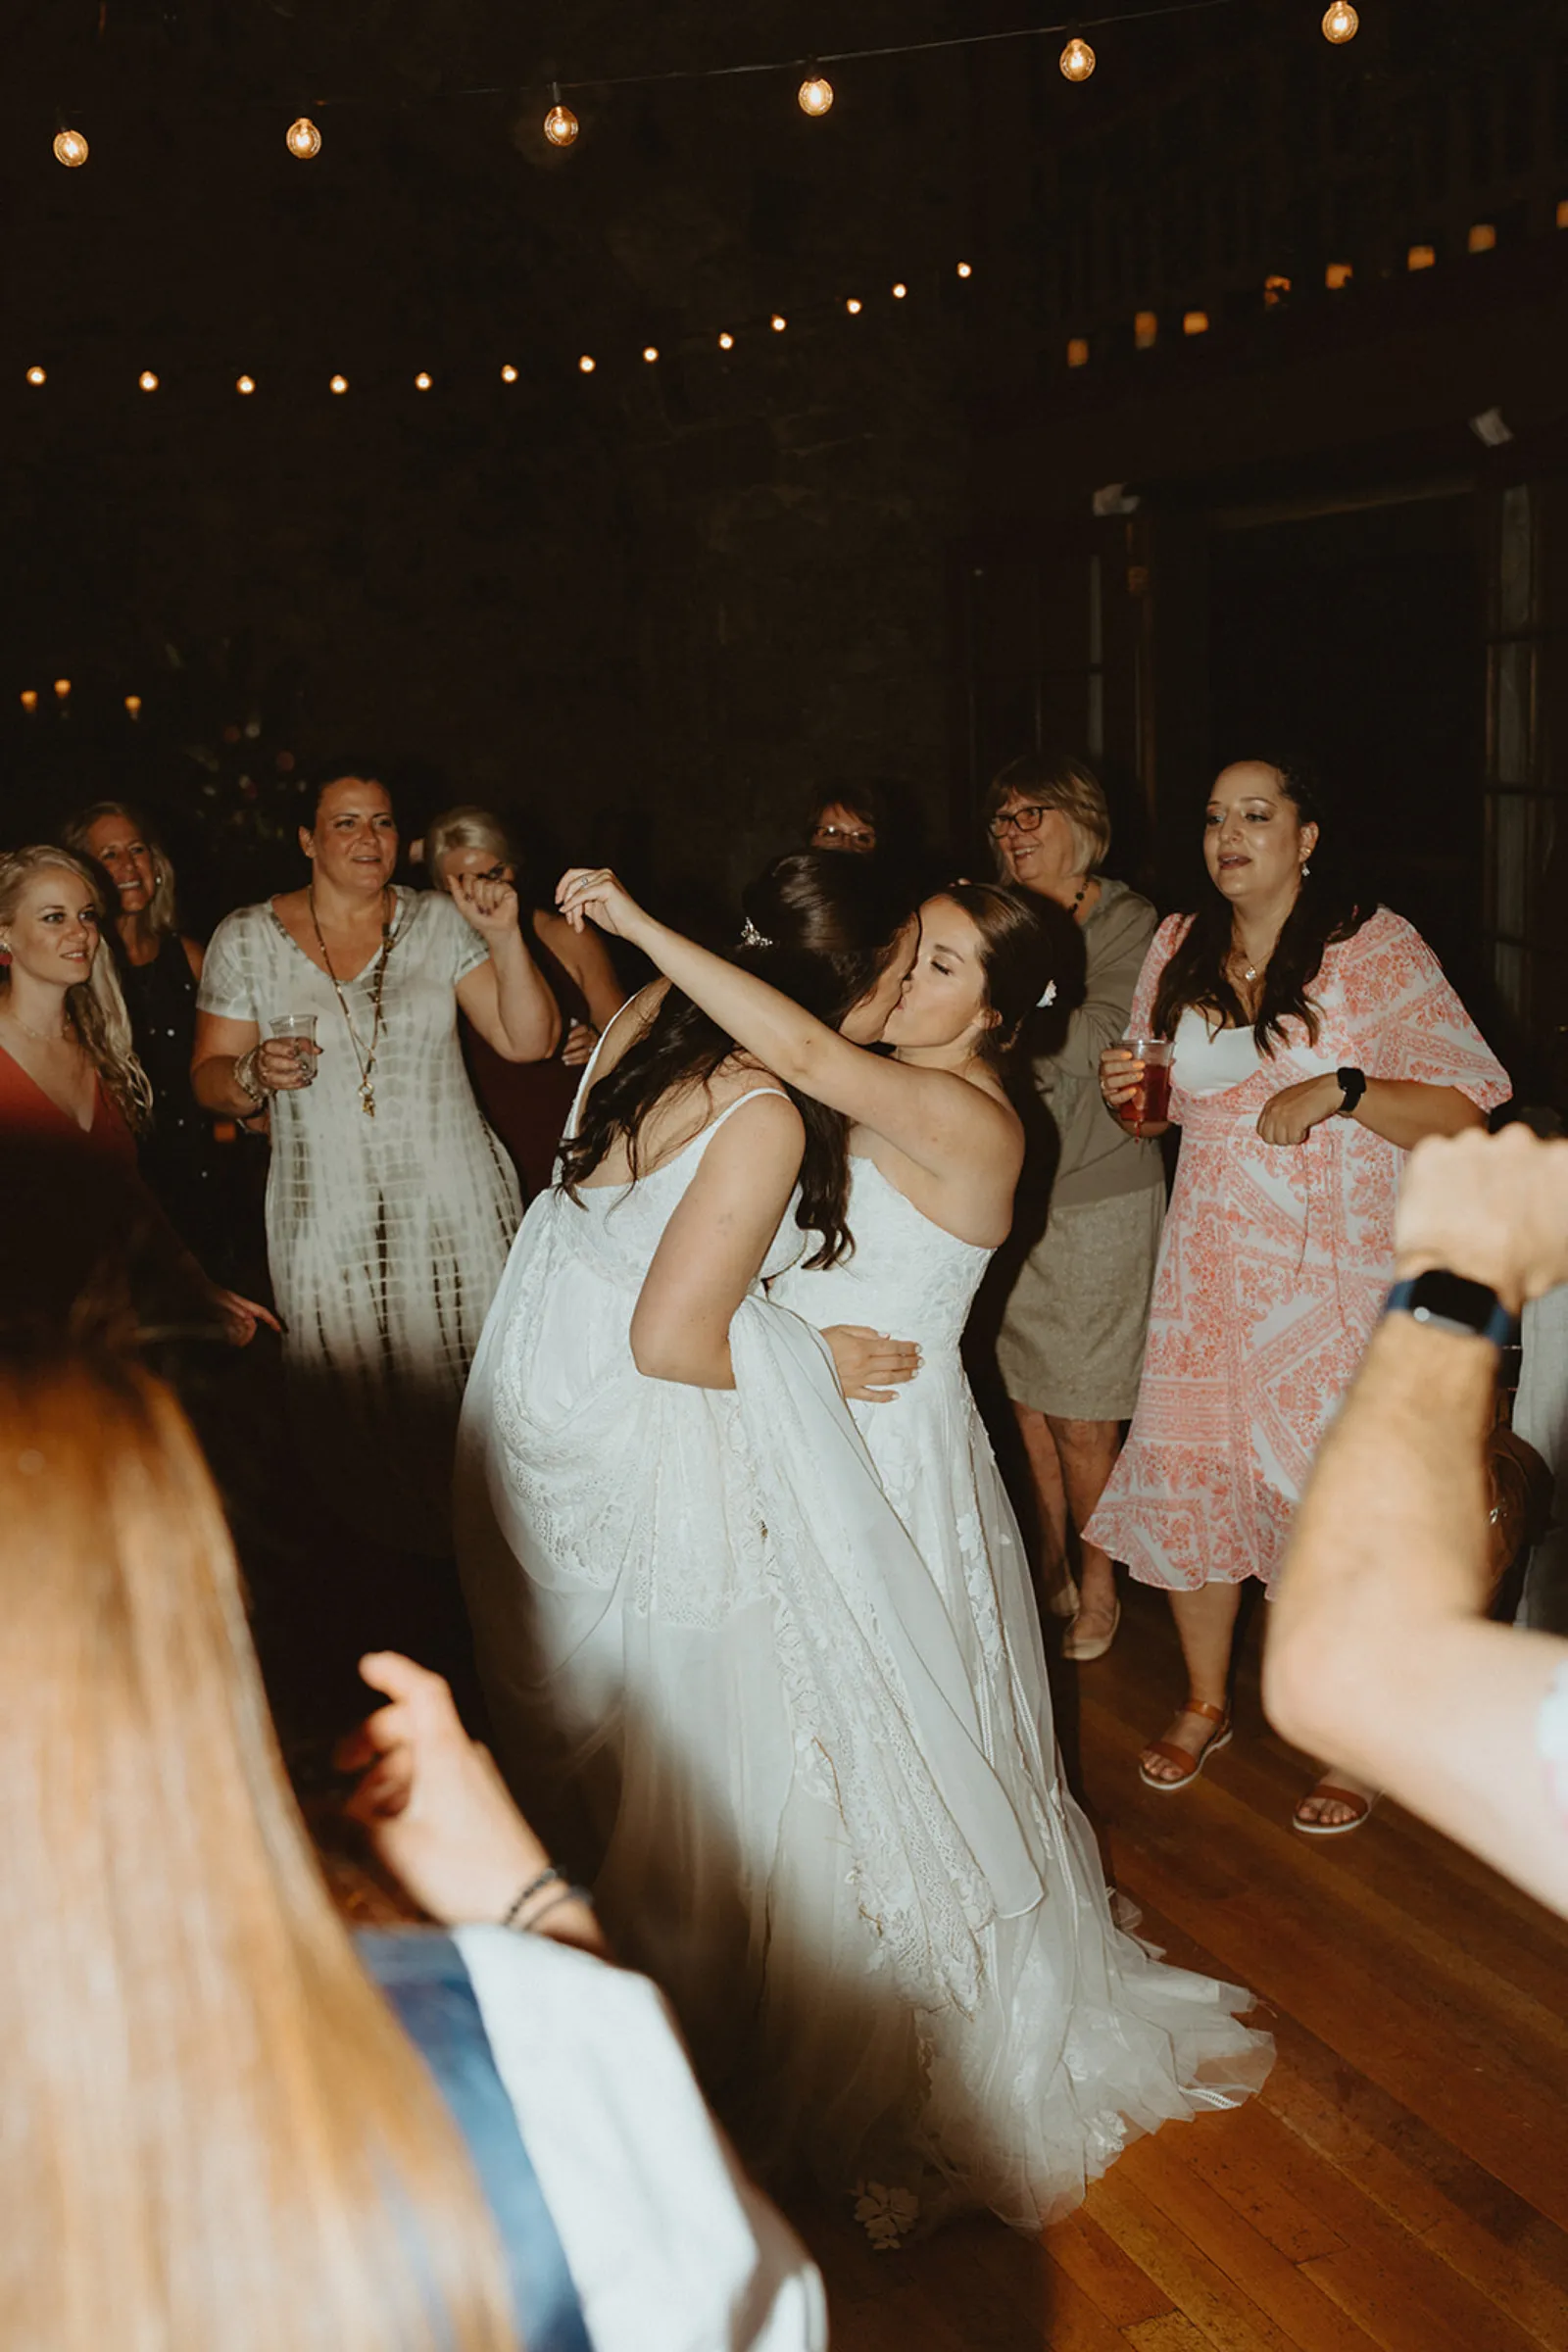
{"x": 829, "y": 837}
{"x": 1021, "y": 820}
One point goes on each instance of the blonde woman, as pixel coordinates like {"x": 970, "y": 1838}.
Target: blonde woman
{"x": 70, "y": 1083}
{"x": 160, "y": 967}
{"x": 1070, "y": 1348}
{"x": 218, "y": 2132}
{"x": 528, "y": 1102}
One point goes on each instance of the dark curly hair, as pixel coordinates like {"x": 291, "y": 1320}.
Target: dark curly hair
{"x": 1327, "y": 909}
{"x": 826, "y": 927}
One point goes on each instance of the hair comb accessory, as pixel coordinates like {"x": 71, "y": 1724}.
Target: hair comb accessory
{"x": 1050, "y": 997}
{"x": 751, "y": 937}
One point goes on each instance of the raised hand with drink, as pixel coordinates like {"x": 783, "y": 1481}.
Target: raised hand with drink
{"x": 1135, "y": 1081}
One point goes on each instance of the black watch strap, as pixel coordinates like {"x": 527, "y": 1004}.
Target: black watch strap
{"x": 1352, "y": 1086}
{"x": 1452, "y": 1303}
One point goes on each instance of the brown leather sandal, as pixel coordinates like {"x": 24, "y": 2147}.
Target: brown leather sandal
{"x": 1172, "y": 1754}
{"x": 1360, "y": 1808}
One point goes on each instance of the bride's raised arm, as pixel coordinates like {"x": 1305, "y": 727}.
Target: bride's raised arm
{"x": 941, "y": 1122}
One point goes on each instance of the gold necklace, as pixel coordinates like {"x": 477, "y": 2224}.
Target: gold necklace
{"x": 62, "y": 1036}
{"x": 365, "y": 1062}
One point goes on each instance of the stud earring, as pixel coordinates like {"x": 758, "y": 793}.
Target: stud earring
{"x": 1306, "y": 868}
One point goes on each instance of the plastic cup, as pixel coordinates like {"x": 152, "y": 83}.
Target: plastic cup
{"x": 300, "y": 1027}
{"x": 1148, "y": 1105}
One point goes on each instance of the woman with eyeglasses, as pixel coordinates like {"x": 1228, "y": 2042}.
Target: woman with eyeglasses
{"x": 527, "y": 1103}
{"x": 1070, "y": 1348}
{"x": 846, "y": 816}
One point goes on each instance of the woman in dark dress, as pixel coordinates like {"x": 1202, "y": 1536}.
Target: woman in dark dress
{"x": 527, "y": 1103}
{"x": 159, "y": 968}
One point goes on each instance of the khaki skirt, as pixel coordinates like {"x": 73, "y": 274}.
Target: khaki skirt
{"x": 1071, "y": 1342}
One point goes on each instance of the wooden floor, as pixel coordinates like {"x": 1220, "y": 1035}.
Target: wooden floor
{"x": 1403, "y": 2179}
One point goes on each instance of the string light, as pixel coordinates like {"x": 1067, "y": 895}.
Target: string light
{"x": 29, "y": 699}
{"x": 37, "y": 376}
{"x": 1077, "y": 60}
{"x": 147, "y": 380}
{"x": 508, "y": 373}
{"x": 726, "y": 341}
{"x": 1483, "y": 237}
{"x": 62, "y": 690}
{"x": 1421, "y": 257}
{"x": 778, "y": 323}
{"x": 339, "y": 383}
{"x": 587, "y": 364}
{"x": 301, "y": 139}
{"x": 964, "y": 270}
{"x": 1146, "y": 331}
{"x": 70, "y": 149}
{"x": 1341, "y": 22}
{"x": 1078, "y": 351}
{"x": 815, "y": 94}
{"x": 245, "y": 383}
{"x": 649, "y": 353}
{"x": 421, "y": 382}
{"x": 852, "y": 306}
{"x": 900, "y": 291}
{"x": 1275, "y": 290}
{"x": 133, "y": 705}
{"x": 561, "y": 124}
{"x": 1337, "y": 276}
{"x": 1195, "y": 322}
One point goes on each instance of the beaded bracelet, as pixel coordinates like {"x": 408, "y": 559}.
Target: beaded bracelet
{"x": 549, "y": 1877}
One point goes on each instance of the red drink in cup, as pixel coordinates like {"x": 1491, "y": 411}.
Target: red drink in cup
{"x": 1148, "y": 1105}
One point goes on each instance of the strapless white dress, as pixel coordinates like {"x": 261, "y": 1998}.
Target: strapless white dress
{"x": 812, "y": 1721}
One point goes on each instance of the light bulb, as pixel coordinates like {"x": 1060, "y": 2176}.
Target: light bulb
{"x": 147, "y": 380}
{"x": 1421, "y": 257}
{"x": 561, "y": 124}
{"x": 964, "y": 270}
{"x": 1146, "y": 331}
{"x": 1341, "y": 22}
{"x": 726, "y": 342}
{"x": 900, "y": 291}
{"x": 1078, "y": 351}
{"x": 1275, "y": 291}
{"x": 62, "y": 690}
{"x": 1195, "y": 322}
{"x": 587, "y": 364}
{"x": 37, "y": 376}
{"x": 815, "y": 94}
{"x": 339, "y": 383}
{"x": 852, "y": 306}
{"x": 1483, "y": 237}
{"x": 245, "y": 383}
{"x": 1077, "y": 60}
{"x": 421, "y": 382}
{"x": 30, "y": 698}
{"x": 301, "y": 139}
{"x": 70, "y": 149}
{"x": 1338, "y": 275}
{"x": 508, "y": 373}
{"x": 778, "y": 323}
{"x": 133, "y": 705}
{"x": 649, "y": 353}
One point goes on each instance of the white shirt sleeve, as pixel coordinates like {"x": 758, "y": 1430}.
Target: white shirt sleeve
{"x": 671, "y": 2247}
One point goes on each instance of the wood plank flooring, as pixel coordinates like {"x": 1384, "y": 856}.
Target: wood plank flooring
{"x": 1403, "y": 2180}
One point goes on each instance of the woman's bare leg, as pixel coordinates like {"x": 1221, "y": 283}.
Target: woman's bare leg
{"x": 1087, "y": 1452}
{"x": 1051, "y": 1508}
{"x": 1205, "y": 1626}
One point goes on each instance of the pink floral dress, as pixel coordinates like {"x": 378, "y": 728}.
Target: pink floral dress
{"x": 1274, "y": 1264}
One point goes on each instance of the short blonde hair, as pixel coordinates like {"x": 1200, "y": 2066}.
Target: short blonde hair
{"x": 1055, "y": 781}
{"x": 161, "y": 912}
{"x": 465, "y": 830}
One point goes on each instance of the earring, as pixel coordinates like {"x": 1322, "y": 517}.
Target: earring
{"x": 1306, "y": 868}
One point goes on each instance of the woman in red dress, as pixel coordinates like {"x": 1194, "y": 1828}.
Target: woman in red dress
{"x": 527, "y": 1103}
{"x": 74, "y": 1097}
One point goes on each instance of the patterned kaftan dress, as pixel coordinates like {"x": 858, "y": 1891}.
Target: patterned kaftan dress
{"x": 1275, "y": 1259}
{"x": 386, "y": 1237}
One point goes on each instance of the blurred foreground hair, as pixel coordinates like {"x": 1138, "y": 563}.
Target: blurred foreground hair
{"x": 216, "y": 2133}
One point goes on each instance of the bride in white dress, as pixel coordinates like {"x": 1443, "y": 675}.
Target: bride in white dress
{"x": 837, "y": 1833}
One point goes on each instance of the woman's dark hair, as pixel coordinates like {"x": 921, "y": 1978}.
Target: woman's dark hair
{"x": 825, "y": 928}
{"x": 334, "y": 771}
{"x": 1018, "y": 955}
{"x": 1326, "y": 911}
{"x": 865, "y": 799}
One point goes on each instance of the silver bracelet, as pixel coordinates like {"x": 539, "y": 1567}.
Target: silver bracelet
{"x": 245, "y": 1075}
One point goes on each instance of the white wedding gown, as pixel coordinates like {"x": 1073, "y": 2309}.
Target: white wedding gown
{"x": 813, "y": 1722}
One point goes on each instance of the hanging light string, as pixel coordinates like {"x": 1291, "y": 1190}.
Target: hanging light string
{"x": 833, "y": 57}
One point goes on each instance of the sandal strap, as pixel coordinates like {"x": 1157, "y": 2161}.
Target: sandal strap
{"x": 1170, "y": 1753}
{"x": 1201, "y": 1706}
{"x": 1332, "y": 1793}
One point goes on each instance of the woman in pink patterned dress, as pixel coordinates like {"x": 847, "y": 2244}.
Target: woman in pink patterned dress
{"x": 1315, "y": 1043}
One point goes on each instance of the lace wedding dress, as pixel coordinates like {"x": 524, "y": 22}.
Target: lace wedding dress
{"x": 813, "y": 1722}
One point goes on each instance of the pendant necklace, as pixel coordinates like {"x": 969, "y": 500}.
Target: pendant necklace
{"x": 364, "y": 1060}
{"x": 61, "y": 1037}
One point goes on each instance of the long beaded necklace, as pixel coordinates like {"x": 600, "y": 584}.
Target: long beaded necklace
{"x": 364, "y": 1060}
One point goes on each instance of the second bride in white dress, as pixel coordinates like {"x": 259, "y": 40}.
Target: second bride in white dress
{"x": 835, "y": 1826}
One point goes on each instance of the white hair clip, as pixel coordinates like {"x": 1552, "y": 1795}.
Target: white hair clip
{"x": 1050, "y": 997}
{"x": 751, "y": 937}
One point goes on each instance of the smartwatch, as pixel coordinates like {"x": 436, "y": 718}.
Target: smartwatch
{"x": 1453, "y": 1304}
{"x": 1352, "y": 1086}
